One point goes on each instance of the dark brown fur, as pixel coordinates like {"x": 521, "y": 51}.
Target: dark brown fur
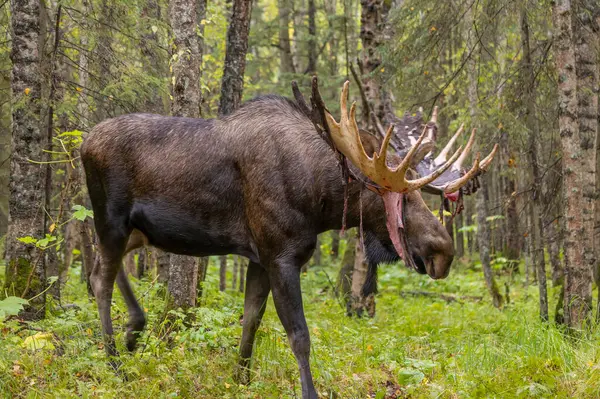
{"x": 259, "y": 183}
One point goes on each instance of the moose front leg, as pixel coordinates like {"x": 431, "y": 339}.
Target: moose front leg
{"x": 255, "y": 303}
{"x": 285, "y": 284}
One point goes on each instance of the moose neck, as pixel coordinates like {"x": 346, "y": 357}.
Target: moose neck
{"x": 362, "y": 204}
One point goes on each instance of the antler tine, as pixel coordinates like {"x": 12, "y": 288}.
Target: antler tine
{"x": 300, "y": 99}
{"x": 458, "y": 183}
{"x": 416, "y": 184}
{"x": 346, "y": 137}
{"x": 381, "y": 157}
{"x": 444, "y": 153}
{"x": 355, "y": 132}
{"x": 344, "y": 102}
{"x": 485, "y": 162}
{"x": 464, "y": 154}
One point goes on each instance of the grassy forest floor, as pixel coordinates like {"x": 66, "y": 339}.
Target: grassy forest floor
{"x": 421, "y": 347}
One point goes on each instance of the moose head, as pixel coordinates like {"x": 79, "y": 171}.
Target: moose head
{"x": 418, "y": 237}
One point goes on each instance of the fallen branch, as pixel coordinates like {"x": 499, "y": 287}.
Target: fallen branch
{"x": 446, "y": 297}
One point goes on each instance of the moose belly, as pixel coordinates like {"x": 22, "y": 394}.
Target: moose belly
{"x": 183, "y": 232}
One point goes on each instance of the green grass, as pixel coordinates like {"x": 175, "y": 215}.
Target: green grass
{"x": 417, "y": 347}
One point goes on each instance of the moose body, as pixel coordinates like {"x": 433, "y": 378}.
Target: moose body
{"x": 261, "y": 183}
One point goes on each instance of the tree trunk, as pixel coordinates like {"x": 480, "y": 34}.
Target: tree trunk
{"x": 311, "y": 69}
{"x": 25, "y": 266}
{"x": 232, "y": 83}
{"x": 317, "y": 258}
{"x": 286, "y": 62}
{"x": 52, "y": 213}
{"x": 87, "y": 253}
{"x": 553, "y": 241}
{"x": 372, "y": 24}
{"x": 104, "y": 54}
{"x": 511, "y": 245}
{"x": 234, "y": 275}
{"x": 483, "y": 236}
{"x": 577, "y": 79}
{"x": 149, "y": 47}
{"x": 186, "y": 59}
{"x": 344, "y": 279}
{"x": 202, "y": 269}
{"x": 468, "y": 220}
{"x": 183, "y": 275}
{"x": 371, "y": 34}
{"x": 163, "y": 262}
{"x": 335, "y": 245}
{"x": 5, "y": 135}
{"x": 202, "y": 4}
{"x": 330, "y": 8}
{"x": 186, "y": 102}
{"x": 85, "y": 229}
{"x": 299, "y": 32}
{"x": 222, "y": 273}
{"x": 129, "y": 263}
{"x": 513, "y": 235}
{"x": 359, "y": 303}
{"x": 459, "y": 240}
{"x": 483, "y": 229}
{"x": 536, "y": 203}
{"x": 142, "y": 262}
{"x": 242, "y": 275}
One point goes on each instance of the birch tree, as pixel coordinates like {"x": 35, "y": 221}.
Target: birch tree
{"x": 25, "y": 266}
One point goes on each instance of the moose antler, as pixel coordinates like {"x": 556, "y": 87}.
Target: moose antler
{"x": 316, "y": 111}
{"x": 346, "y": 139}
{"x": 456, "y": 177}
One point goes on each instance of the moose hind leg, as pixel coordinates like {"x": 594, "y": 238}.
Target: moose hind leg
{"x": 137, "y": 319}
{"x": 255, "y": 303}
{"x": 285, "y": 284}
{"x": 111, "y": 248}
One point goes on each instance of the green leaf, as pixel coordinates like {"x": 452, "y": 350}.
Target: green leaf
{"x": 500, "y": 260}
{"x": 11, "y": 306}
{"x": 39, "y": 341}
{"x": 468, "y": 229}
{"x": 81, "y": 212}
{"x": 408, "y": 376}
{"x": 44, "y": 242}
{"x": 436, "y": 212}
{"x": 27, "y": 240}
{"x": 72, "y": 133}
{"x": 494, "y": 217}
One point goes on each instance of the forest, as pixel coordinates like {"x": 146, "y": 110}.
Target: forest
{"x": 516, "y": 317}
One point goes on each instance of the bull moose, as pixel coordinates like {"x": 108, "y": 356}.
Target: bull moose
{"x": 261, "y": 183}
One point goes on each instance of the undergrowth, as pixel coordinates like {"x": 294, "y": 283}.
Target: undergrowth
{"x": 415, "y": 346}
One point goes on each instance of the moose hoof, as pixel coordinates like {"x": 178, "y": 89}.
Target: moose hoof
{"x": 131, "y": 340}
{"x": 134, "y": 330}
{"x": 242, "y": 375}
